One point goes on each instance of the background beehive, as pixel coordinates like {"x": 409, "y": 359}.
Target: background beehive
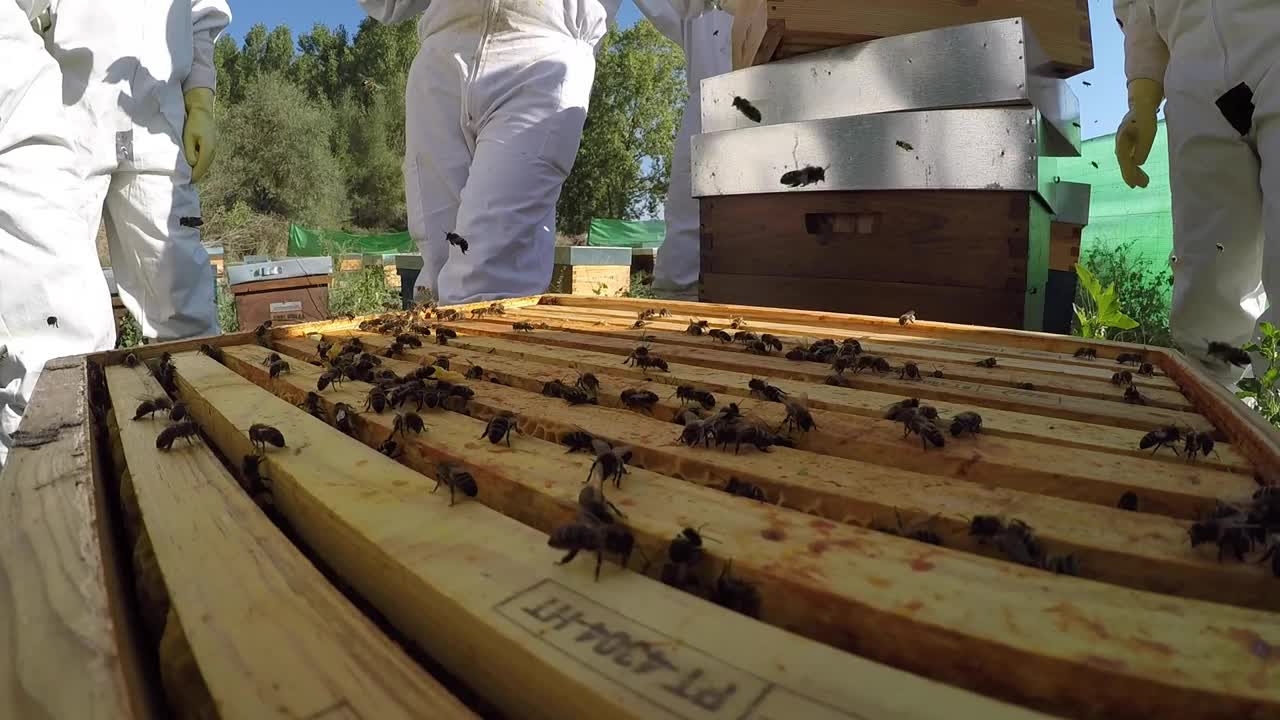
{"x": 370, "y": 596}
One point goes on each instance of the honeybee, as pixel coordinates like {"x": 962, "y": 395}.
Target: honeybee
{"x": 262, "y": 435}
{"x": 408, "y": 422}
{"x": 593, "y": 505}
{"x": 152, "y": 406}
{"x": 1128, "y": 501}
{"x": 457, "y": 479}
{"x": 873, "y": 363}
{"x": 1197, "y": 443}
{"x": 1229, "y": 354}
{"x": 589, "y": 382}
{"x": 915, "y": 422}
{"x": 907, "y": 318}
{"x": 1132, "y": 396}
{"x": 522, "y": 327}
{"x": 499, "y": 428}
{"x": 652, "y": 361}
{"x": 639, "y": 399}
{"x": 739, "y": 488}
{"x": 1129, "y": 359}
{"x": 1086, "y": 353}
{"x": 966, "y": 422}
{"x": 695, "y": 329}
{"x": 684, "y": 551}
{"x": 278, "y": 368}
{"x": 179, "y": 413}
{"x": 166, "y": 438}
{"x": 205, "y": 348}
{"x": 639, "y": 324}
{"x": 130, "y": 360}
{"x": 409, "y": 340}
{"x": 475, "y": 372}
{"x": 745, "y": 337}
{"x": 688, "y": 394}
{"x": 376, "y": 400}
{"x": 327, "y": 378}
{"x": 798, "y": 416}
{"x": 1124, "y": 377}
{"x": 748, "y": 110}
{"x": 390, "y": 448}
{"x": 737, "y": 323}
{"x": 612, "y": 462}
{"x": 270, "y": 358}
{"x": 736, "y": 595}
{"x": 1146, "y": 369}
{"x": 771, "y": 342}
{"x": 763, "y": 390}
{"x": 909, "y": 371}
{"x": 635, "y": 355}
{"x": 986, "y": 363}
{"x": 577, "y": 441}
{"x": 312, "y": 405}
{"x": 343, "y": 415}
{"x": 900, "y": 410}
{"x": 803, "y": 177}
{"x": 1166, "y": 436}
{"x": 593, "y": 536}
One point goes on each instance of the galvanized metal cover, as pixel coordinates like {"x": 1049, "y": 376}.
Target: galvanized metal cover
{"x": 110, "y": 275}
{"x": 968, "y": 149}
{"x": 408, "y": 262}
{"x": 587, "y": 255}
{"x": 1068, "y": 200}
{"x": 976, "y": 65}
{"x": 279, "y": 270}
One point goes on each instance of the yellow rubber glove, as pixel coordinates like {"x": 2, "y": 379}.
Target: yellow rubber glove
{"x": 1137, "y": 131}
{"x": 199, "y": 134}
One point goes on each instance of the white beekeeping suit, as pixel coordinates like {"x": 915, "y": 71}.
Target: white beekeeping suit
{"x": 495, "y": 106}
{"x": 1218, "y": 64}
{"x": 705, "y": 40}
{"x": 97, "y": 96}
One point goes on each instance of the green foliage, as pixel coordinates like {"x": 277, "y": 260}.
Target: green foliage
{"x": 641, "y": 286}
{"x": 1263, "y": 393}
{"x": 624, "y": 162}
{"x": 228, "y": 316}
{"x": 129, "y": 332}
{"x": 361, "y": 292}
{"x": 1101, "y": 308}
{"x": 1142, "y": 290}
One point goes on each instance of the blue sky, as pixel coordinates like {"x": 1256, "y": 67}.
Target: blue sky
{"x": 1102, "y": 102}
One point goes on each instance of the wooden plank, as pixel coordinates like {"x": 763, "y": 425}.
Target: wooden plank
{"x": 952, "y": 615}
{"x": 1061, "y": 27}
{"x": 68, "y": 646}
{"x": 1067, "y": 433}
{"x": 1179, "y": 489}
{"x": 1141, "y": 551}
{"x": 1134, "y": 417}
{"x": 1064, "y": 246}
{"x": 271, "y": 636}
{"x": 480, "y": 593}
{"x": 617, "y": 323}
{"x": 888, "y": 325}
{"x": 890, "y": 346}
{"x": 1096, "y": 385}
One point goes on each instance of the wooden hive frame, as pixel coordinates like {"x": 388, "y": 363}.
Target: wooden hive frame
{"x": 345, "y": 587}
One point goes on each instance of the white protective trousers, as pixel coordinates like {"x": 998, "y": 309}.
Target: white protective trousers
{"x": 495, "y": 107}
{"x": 125, "y": 66}
{"x": 1224, "y": 159}
{"x": 48, "y": 266}
{"x": 706, "y": 42}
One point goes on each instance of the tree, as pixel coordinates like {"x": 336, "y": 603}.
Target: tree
{"x": 322, "y": 61}
{"x": 623, "y": 163}
{"x": 374, "y": 181}
{"x": 275, "y": 156}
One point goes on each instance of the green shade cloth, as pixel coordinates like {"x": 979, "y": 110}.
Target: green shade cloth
{"x": 1116, "y": 213}
{"x": 305, "y": 242}
{"x": 627, "y": 234}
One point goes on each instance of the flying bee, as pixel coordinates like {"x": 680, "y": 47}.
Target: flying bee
{"x": 695, "y": 329}
{"x": 763, "y": 390}
{"x": 593, "y": 536}
{"x": 577, "y": 441}
{"x": 206, "y": 349}
{"x": 457, "y": 479}
{"x": 736, "y": 595}
{"x": 1129, "y": 359}
{"x": 748, "y": 110}
{"x": 907, "y": 318}
{"x": 313, "y": 407}
{"x": 688, "y": 394}
{"x": 612, "y": 462}
{"x": 1086, "y": 353}
{"x": 966, "y": 422}
{"x": 771, "y": 342}
{"x": 720, "y": 336}
{"x": 408, "y": 422}
{"x": 1229, "y": 354}
{"x": 1124, "y": 377}
{"x": 909, "y": 371}
{"x": 804, "y": 177}
{"x": 343, "y": 415}
{"x": 1167, "y": 436}
{"x": 152, "y": 406}
{"x": 1147, "y": 369}
{"x": 986, "y": 363}
{"x": 1197, "y": 443}
{"x": 522, "y": 327}
{"x": 167, "y": 436}
{"x": 327, "y": 378}
{"x": 593, "y": 505}
{"x": 635, "y": 399}
{"x": 457, "y": 241}
{"x": 589, "y": 382}
{"x": 178, "y": 412}
{"x": 262, "y": 435}
{"x": 900, "y": 410}
{"x": 873, "y": 363}
{"x": 798, "y": 416}
{"x": 270, "y": 358}
{"x": 278, "y": 368}
{"x": 1132, "y": 396}
{"x": 499, "y": 428}
{"x": 738, "y": 488}
{"x": 376, "y": 400}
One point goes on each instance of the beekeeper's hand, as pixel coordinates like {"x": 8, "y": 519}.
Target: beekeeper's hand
{"x": 1137, "y": 131}
{"x": 199, "y": 134}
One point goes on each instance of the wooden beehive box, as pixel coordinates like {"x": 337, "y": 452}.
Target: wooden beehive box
{"x": 786, "y": 28}
{"x": 974, "y": 257}
{"x": 345, "y": 586}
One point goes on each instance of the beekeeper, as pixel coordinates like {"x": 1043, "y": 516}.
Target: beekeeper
{"x": 1218, "y": 65}
{"x": 120, "y": 94}
{"x": 495, "y": 106}
{"x": 705, "y": 40}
